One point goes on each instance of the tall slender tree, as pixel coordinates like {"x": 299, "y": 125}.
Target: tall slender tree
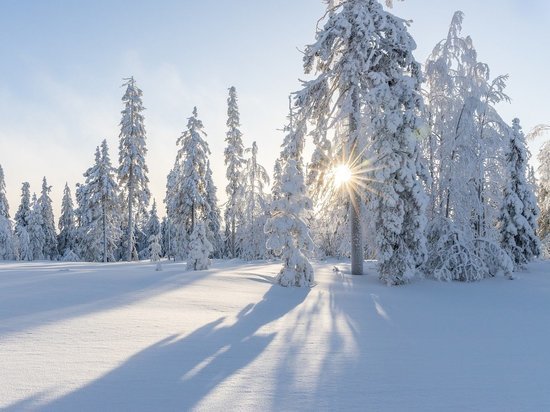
{"x": 543, "y": 190}
{"x": 66, "y": 240}
{"x": 37, "y": 237}
{"x": 287, "y": 230}
{"x": 7, "y": 246}
{"x": 22, "y": 217}
{"x": 234, "y": 161}
{"x": 48, "y": 222}
{"x": 518, "y": 237}
{"x": 367, "y": 88}
{"x": 100, "y": 201}
{"x": 191, "y": 193}
{"x": 251, "y": 237}
{"x": 132, "y": 172}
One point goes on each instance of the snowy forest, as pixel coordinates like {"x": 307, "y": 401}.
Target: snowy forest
{"x": 411, "y": 165}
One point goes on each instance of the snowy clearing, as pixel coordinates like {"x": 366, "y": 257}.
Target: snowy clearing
{"x": 77, "y": 337}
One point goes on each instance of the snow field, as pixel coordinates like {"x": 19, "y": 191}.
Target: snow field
{"x": 125, "y": 337}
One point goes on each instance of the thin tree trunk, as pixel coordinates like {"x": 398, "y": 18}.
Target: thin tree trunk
{"x": 355, "y": 197}
{"x": 130, "y": 214}
{"x": 233, "y": 237}
{"x": 104, "y": 234}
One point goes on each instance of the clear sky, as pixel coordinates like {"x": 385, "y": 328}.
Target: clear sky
{"x": 62, "y": 64}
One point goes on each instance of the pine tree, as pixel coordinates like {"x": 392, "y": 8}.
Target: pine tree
{"x": 132, "y": 172}
{"x": 517, "y": 235}
{"x": 199, "y": 248}
{"x": 50, "y": 235}
{"x": 66, "y": 240}
{"x": 234, "y": 161}
{"x": 288, "y": 234}
{"x": 251, "y": 237}
{"x": 368, "y": 81}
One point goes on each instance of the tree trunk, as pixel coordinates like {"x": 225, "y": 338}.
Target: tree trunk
{"x": 104, "y": 234}
{"x": 233, "y": 237}
{"x": 130, "y": 214}
{"x": 356, "y": 236}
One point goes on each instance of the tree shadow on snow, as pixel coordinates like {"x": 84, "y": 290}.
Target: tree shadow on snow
{"x": 176, "y": 373}
{"x": 50, "y": 292}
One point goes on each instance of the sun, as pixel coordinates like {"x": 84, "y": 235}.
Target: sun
{"x": 342, "y": 175}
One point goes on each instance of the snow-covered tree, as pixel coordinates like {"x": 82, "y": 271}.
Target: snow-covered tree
{"x": 199, "y": 248}
{"x": 287, "y": 230}
{"x": 7, "y": 241}
{"x": 99, "y": 201}
{"x": 517, "y": 235}
{"x": 251, "y": 236}
{"x": 543, "y": 190}
{"x": 23, "y": 212}
{"x": 22, "y": 216}
{"x": 37, "y": 237}
{"x": 48, "y": 222}
{"x": 234, "y": 161}
{"x": 190, "y": 192}
{"x": 152, "y": 227}
{"x": 155, "y": 250}
{"x": 66, "y": 240}
{"x": 367, "y": 90}
{"x": 213, "y": 216}
{"x": 169, "y": 236}
{"x": 464, "y": 144}
{"x": 132, "y": 172}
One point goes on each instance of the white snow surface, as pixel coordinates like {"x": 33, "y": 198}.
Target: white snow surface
{"x": 124, "y": 337}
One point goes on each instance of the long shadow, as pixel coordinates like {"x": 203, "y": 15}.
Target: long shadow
{"x": 177, "y": 373}
{"x": 38, "y": 294}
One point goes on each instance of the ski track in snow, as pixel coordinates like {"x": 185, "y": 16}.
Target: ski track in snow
{"x": 123, "y": 337}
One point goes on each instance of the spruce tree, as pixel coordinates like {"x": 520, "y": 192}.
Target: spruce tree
{"x": 37, "y": 237}
{"x": 22, "y": 239}
{"x": 24, "y": 210}
{"x": 132, "y": 172}
{"x": 101, "y": 210}
{"x": 199, "y": 248}
{"x": 251, "y": 236}
{"x": 367, "y": 86}
{"x": 287, "y": 230}
{"x": 190, "y": 191}
{"x": 150, "y": 228}
{"x": 50, "y": 235}
{"x": 517, "y": 235}
{"x": 7, "y": 244}
{"x": 234, "y": 162}
{"x": 544, "y": 192}
{"x": 66, "y": 240}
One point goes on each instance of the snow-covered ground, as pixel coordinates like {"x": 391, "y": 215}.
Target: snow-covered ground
{"x": 76, "y": 337}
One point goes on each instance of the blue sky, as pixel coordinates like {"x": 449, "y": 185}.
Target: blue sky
{"x": 62, "y": 64}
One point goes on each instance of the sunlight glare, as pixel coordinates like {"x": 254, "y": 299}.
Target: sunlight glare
{"x": 342, "y": 175}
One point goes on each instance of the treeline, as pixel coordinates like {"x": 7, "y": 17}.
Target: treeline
{"x": 440, "y": 182}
